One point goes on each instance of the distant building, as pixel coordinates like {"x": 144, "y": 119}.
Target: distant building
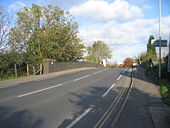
{"x": 119, "y": 63}
{"x": 104, "y": 62}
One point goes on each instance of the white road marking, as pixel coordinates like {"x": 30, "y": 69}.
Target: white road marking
{"x": 13, "y": 85}
{"x": 108, "y": 90}
{"x": 79, "y": 118}
{"x": 39, "y": 90}
{"x": 122, "y": 107}
{"x": 81, "y": 78}
{"x": 119, "y": 77}
{"x": 123, "y": 72}
{"x": 97, "y": 72}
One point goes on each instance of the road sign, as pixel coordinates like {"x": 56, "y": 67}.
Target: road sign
{"x": 163, "y": 43}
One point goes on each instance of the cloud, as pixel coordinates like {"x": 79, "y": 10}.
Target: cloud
{"x": 120, "y": 52}
{"x": 125, "y": 39}
{"x": 102, "y": 10}
{"x": 148, "y": 7}
{"x": 17, "y": 5}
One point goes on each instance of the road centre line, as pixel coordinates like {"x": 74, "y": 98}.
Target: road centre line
{"x": 81, "y": 78}
{"x": 119, "y": 77}
{"x": 52, "y": 86}
{"x": 87, "y": 76}
{"x": 124, "y": 71}
{"x": 97, "y": 72}
{"x": 12, "y": 85}
{"x": 79, "y": 118}
{"x": 108, "y": 90}
{"x": 109, "y": 111}
{"x": 39, "y": 90}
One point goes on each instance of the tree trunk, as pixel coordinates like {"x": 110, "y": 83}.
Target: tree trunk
{"x": 28, "y": 73}
{"x": 34, "y": 70}
{"x": 41, "y": 68}
{"x": 15, "y": 66}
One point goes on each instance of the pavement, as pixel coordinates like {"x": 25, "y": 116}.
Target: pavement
{"x": 144, "y": 108}
{"x": 74, "y": 100}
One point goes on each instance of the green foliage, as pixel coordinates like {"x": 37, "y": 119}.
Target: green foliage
{"x": 8, "y": 59}
{"x": 97, "y": 52}
{"x": 166, "y": 98}
{"x": 12, "y": 77}
{"x": 151, "y": 51}
{"x": 152, "y": 73}
{"x": 46, "y": 32}
{"x": 163, "y": 90}
{"x": 149, "y": 45}
{"x": 40, "y": 33}
{"x": 162, "y": 82}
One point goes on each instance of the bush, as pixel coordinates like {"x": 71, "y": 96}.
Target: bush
{"x": 166, "y": 98}
{"x": 164, "y": 84}
{"x": 163, "y": 90}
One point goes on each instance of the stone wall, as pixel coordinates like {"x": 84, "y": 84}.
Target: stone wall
{"x": 54, "y": 66}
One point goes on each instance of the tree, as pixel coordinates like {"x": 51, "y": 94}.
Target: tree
{"x": 46, "y": 32}
{"x": 9, "y": 61}
{"x": 5, "y": 21}
{"x": 98, "y": 51}
{"x": 128, "y": 61}
{"x": 151, "y": 51}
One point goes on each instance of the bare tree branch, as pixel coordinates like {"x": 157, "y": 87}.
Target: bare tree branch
{"x": 5, "y": 21}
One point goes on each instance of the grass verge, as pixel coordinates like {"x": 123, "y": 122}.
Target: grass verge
{"x": 12, "y": 77}
{"x": 163, "y": 83}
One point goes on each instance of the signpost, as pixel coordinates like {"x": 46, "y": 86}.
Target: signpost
{"x": 169, "y": 58}
{"x": 160, "y": 38}
{"x": 163, "y": 43}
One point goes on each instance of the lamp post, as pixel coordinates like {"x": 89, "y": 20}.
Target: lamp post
{"x": 159, "y": 38}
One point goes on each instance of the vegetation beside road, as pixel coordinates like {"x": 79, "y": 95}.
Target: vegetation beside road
{"x": 163, "y": 82}
{"x": 152, "y": 71}
{"x": 42, "y": 33}
{"x": 13, "y": 77}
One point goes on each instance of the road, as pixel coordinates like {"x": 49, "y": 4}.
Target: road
{"x": 77, "y": 100}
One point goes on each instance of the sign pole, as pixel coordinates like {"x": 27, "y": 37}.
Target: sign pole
{"x": 169, "y": 55}
{"x": 159, "y": 38}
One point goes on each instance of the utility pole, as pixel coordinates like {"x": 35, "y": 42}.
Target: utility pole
{"x": 159, "y": 38}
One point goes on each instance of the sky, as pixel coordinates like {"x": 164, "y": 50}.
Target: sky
{"x": 125, "y": 25}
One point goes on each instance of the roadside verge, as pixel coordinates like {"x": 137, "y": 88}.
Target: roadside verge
{"x": 6, "y": 83}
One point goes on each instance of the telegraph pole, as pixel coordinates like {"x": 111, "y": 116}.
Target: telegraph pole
{"x": 159, "y": 38}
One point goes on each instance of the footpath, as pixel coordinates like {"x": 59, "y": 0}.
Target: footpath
{"x": 13, "y": 82}
{"x": 144, "y": 108}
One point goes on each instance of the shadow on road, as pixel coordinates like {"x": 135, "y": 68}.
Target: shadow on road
{"x": 11, "y": 118}
{"x": 136, "y": 109}
{"x": 89, "y": 98}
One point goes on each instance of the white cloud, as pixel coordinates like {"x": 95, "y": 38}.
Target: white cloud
{"x": 102, "y": 10}
{"x": 17, "y": 5}
{"x": 148, "y": 7}
{"x": 125, "y": 39}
